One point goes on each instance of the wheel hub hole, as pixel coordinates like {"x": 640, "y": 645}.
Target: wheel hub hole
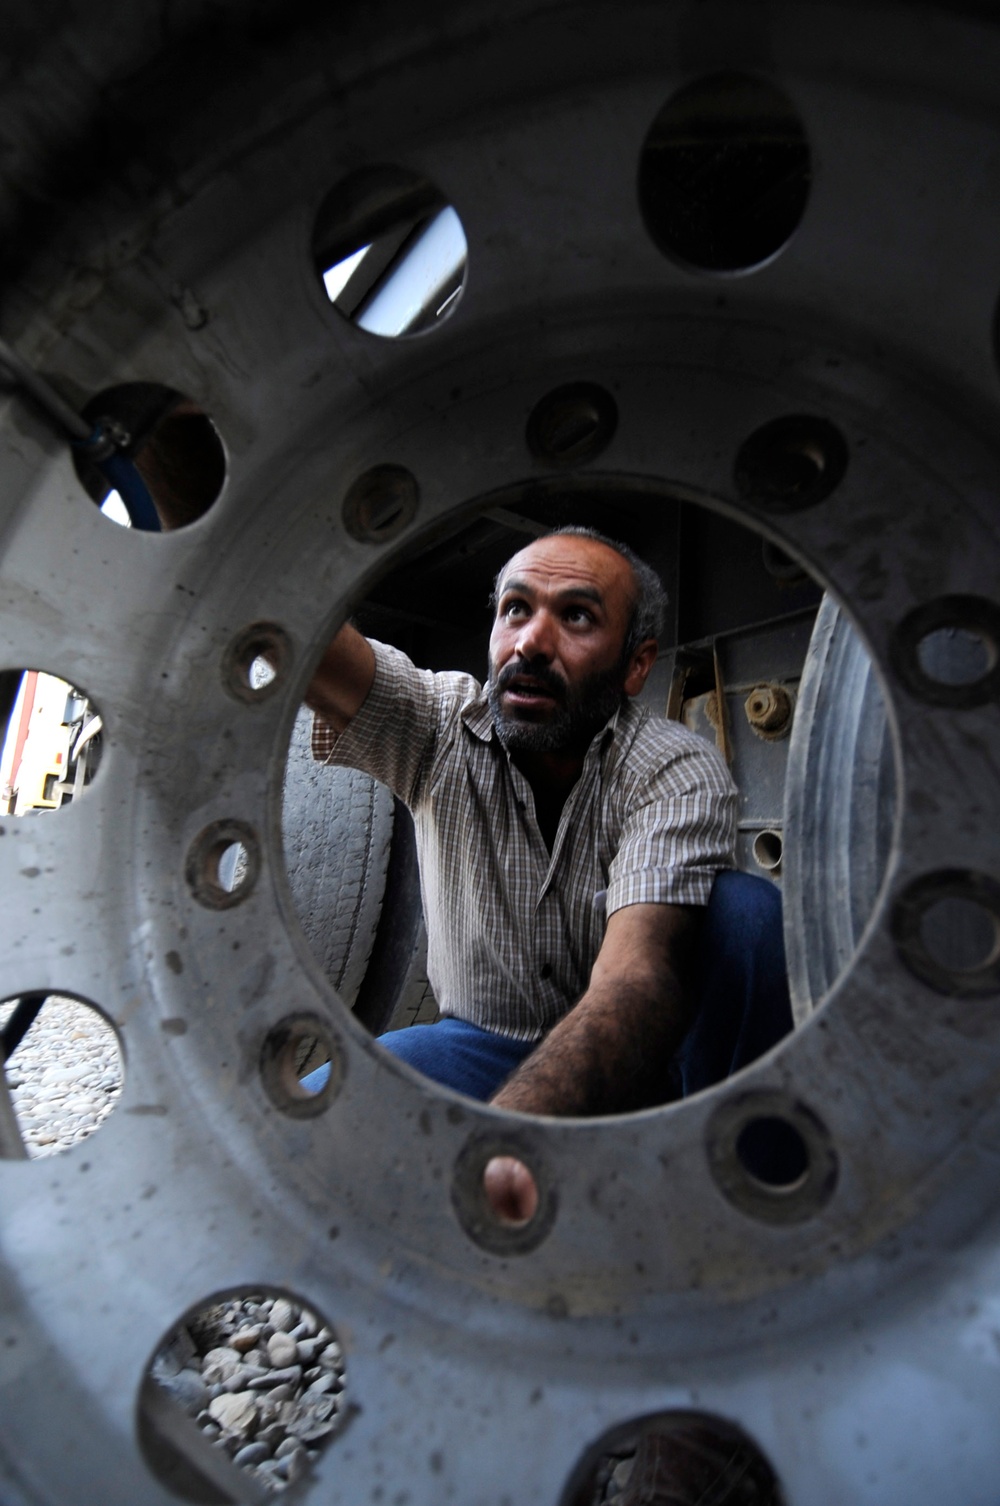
{"x": 256, "y": 661}
{"x": 511, "y": 1191}
{"x": 724, "y": 174}
{"x": 380, "y": 504}
{"x": 223, "y": 864}
{"x": 677, "y": 1457}
{"x": 773, "y": 1152}
{"x": 956, "y": 656}
{"x": 960, "y": 934}
{"x": 390, "y": 252}
{"x": 63, "y": 1070}
{"x": 946, "y": 652}
{"x": 166, "y": 447}
{"x": 300, "y": 1065}
{"x": 946, "y": 926}
{"x": 503, "y": 1196}
{"x": 52, "y": 744}
{"x": 248, "y": 1389}
{"x": 791, "y": 463}
{"x": 572, "y": 424}
{"x": 771, "y": 1157}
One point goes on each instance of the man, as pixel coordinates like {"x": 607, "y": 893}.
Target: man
{"x": 568, "y": 843}
{"x": 567, "y": 839}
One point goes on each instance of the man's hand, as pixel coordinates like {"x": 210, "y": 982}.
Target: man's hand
{"x": 610, "y": 1054}
{"x": 511, "y": 1190}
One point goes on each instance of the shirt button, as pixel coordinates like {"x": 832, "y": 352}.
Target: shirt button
{"x": 545, "y": 971}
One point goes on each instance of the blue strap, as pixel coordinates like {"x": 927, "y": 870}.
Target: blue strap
{"x": 122, "y": 477}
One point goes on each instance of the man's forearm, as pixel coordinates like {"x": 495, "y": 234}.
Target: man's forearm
{"x": 610, "y": 1054}
{"x": 342, "y": 679}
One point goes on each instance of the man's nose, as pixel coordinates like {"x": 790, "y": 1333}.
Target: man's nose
{"x": 536, "y": 640}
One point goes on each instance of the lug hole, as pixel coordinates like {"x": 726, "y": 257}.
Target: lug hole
{"x": 503, "y": 1195}
{"x": 771, "y": 1157}
{"x": 947, "y": 652}
{"x": 572, "y": 424}
{"x": 790, "y": 464}
{"x": 301, "y": 1066}
{"x": 223, "y": 864}
{"x": 381, "y": 504}
{"x": 946, "y": 927}
{"x": 255, "y": 662}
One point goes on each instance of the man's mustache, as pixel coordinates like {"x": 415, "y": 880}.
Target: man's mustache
{"x": 540, "y": 673}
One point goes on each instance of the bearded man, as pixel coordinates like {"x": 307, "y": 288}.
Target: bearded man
{"x": 569, "y": 842}
{"x": 567, "y": 838}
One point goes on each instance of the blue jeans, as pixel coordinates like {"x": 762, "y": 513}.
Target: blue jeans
{"x": 743, "y": 1008}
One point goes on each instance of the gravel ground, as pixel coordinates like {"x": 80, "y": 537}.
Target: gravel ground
{"x": 64, "y": 1077}
{"x": 264, "y": 1380}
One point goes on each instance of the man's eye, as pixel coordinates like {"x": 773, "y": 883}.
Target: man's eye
{"x": 515, "y": 609}
{"x": 579, "y": 614}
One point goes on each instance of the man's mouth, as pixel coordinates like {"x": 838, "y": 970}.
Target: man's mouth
{"x": 528, "y": 692}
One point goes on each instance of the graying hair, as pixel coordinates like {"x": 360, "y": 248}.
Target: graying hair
{"x": 649, "y": 609}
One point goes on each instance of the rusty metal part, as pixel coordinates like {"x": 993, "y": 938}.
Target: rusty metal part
{"x": 769, "y": 711}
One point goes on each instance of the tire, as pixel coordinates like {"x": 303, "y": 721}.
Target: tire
{"x": 337, "y": 832}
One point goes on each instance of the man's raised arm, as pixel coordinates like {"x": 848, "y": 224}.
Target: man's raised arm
{"x": 611, "y": 1052}
{"x": 343, "y": 678}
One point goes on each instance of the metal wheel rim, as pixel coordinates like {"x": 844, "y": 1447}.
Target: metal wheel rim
{"x": 650, "y": 1290}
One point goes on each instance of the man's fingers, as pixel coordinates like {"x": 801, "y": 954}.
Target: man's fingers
{"x": 511, "y": 1190}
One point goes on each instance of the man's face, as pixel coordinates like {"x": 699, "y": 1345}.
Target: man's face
{"x": 557, "y": 664}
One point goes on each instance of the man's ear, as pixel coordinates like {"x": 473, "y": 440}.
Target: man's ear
{"x": 639, "y": 666}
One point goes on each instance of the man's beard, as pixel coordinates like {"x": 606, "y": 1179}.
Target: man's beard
{"x": 570, "y": 723}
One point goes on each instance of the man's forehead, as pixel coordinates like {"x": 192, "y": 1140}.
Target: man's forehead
{"x": 568, "y": 561}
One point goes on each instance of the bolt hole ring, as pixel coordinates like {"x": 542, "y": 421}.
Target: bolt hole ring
{"x": 977, "y": 620}
{"x": 771, "y": 1157}
{"x": 790, "y": 464}
{"x": 288, "y": 1049}
{"x": 259, "y": 648}
{"x": 381, "y": 504}
{"x": 495, "y": 1233}
{"x": 203, "y": 867}
{"x": 913, "y": 932}
{"x": 571, "y": 425}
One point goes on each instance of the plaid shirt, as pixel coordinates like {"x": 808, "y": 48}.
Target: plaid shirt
{"x": 512, "y": 930}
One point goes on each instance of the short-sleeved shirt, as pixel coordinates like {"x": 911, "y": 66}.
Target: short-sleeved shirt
{"x": 512, "y": 929}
